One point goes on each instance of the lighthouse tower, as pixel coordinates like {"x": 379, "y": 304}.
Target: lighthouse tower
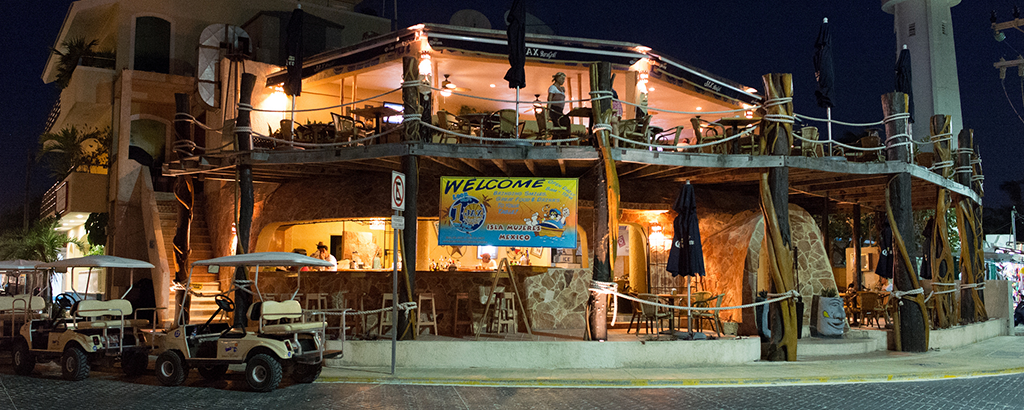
{"x": 926, "y": 28}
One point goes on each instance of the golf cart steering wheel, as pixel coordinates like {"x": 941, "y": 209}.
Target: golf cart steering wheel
{"x": 224, "y": 303}
{"x": 64, "y": 300}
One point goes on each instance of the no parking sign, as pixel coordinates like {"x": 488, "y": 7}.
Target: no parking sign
{"x": 397, "y": 191}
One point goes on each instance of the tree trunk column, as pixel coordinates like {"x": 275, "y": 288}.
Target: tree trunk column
{"x": 940, "y": 255}
{"x": 184, "y": 193}
{"x": 910, "y": 324}
{"x": 606, "y": 200}
{"x": 246, "y": 195}
{"x": 778, "y": 131}
{"x": 972, "y": 307}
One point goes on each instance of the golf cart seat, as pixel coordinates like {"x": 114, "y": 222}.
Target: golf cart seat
{"x": 94, "y": 311}
{"x": 11, "y": 306}
{"x": 290, "y": 310}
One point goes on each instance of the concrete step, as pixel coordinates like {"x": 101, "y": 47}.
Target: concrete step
{"x": 854, "y": 342}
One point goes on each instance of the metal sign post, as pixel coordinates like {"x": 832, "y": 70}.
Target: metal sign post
{"x": 397, "y": 224}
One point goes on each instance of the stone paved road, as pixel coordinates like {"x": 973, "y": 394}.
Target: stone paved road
{"x": 111, "y": 390}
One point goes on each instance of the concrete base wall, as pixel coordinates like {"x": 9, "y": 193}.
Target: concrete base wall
{"x": 965, "y": 335}
{"x": 547, "y": 355}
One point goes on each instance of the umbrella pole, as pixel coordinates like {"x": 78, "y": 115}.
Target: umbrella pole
{"x": 291, "y": 121}
{"x": 516, "y": 125}
{"x": 828, "y": 147}
{"x": 689, "y": 303}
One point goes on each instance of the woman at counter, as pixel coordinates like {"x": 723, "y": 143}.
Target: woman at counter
{"x": 486, "y": 263}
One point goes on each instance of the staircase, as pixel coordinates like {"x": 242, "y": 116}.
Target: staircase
{"x": 202, "y": 248}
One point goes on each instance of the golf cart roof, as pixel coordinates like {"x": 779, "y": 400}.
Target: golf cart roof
{"x": 97, "y": 261}
{"x": 18, "y": 264}
{"x": 264, "y": 259}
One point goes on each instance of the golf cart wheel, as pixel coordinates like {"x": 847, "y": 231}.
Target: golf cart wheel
{"x": 74, "y": 364}
{"x": 23, "y": 360}
{"x": 306, "y": 373}
{"x": 213, "y": 372}
{"x": 263, "y": 373}
{"x": 170, "y": 369}
{"x": 134, "y": 362}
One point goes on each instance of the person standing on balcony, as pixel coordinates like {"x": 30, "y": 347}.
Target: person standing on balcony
{"x": 556, "y": 100}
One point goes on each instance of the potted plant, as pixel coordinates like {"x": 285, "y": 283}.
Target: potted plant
{"x": 828, "y": 318}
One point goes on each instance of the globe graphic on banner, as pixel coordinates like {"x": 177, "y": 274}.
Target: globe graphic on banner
{"x": 467, "y": 214}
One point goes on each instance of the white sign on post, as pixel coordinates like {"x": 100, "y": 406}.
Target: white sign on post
{"x": 397, "y": 191}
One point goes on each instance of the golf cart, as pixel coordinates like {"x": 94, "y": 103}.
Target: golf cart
{"x": 85, "y": 331}
{"x": 17, "y": 305}
{"x": 282, "y": 341}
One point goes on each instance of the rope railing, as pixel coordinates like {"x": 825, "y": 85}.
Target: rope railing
{"x": 686, "y": 147}
{"x": 776, "y": 297}
{"x": 652, "y": 108}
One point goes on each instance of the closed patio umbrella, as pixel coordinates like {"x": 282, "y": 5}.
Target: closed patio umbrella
{"x": 904, "y": 83}
{"x": 293, "y": 49}
{"x": 824, "y": 73}
{"x": 686, "y": 257}
{"x": 516, "y": 74}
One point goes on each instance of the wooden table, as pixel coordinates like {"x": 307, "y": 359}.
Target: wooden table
{"x": 697, "y": 299}
{"x": 733, "y": 125}
{"x": 475, "y": 119}
{"x": 377, "y": 113}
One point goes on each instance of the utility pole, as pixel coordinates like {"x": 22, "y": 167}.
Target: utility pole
{"x": 997, "y": 33}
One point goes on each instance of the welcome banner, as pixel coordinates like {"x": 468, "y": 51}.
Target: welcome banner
{"x": 527, "y": 212}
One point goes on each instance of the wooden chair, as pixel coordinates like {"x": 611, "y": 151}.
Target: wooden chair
{"x": 712, "y": 316}
{"x": 869, "y": 307}
{"x": 651, "y": 313}
{"x": 669, "y": 137}
{"x": 637, "y": 130}
{"x": 707, "y": 132}
{"x": 546, "y": 129}
{"x": 347, "y": 128}
{"x": 449, "y": 122}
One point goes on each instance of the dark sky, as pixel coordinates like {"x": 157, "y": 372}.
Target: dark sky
{"x": 738, "y": 40}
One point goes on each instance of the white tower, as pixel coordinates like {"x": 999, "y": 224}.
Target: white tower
{"x": 926, "y": 27}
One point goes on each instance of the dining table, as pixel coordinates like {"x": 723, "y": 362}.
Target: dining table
{"x": 477, "y": 120}
{"x": 697, "y": 299}
{"x": 377, "y": 113}
{"x": 733, "y": 126}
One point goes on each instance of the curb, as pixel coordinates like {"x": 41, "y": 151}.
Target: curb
{"x": 664, "y": 383}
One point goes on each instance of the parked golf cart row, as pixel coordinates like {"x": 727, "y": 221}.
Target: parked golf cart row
{"x": 110, "y": 332}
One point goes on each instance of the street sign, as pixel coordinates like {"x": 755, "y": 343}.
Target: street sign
{"x": 397, "y": 222}
{"x": 397, "y": 191}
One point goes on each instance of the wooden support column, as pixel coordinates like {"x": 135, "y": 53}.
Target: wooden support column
{"x": 972, "y": 265}
{"x": 246, "y": 195}
{"x": 911, "y": 323}
{"x": 184, "y": 193}
{"x": 775, "y": 207}
{"x": 858, "y": 274}
{"x": 940, "y": 253}
{"x": 410, "y": 166}
{"x": 606, "y": 202}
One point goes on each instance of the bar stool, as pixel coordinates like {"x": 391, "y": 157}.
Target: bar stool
{"x": 385, "y": 315}
{"x": 427, "y": 318}
{"x": 462, "y": 298}
{"x": 316, "y": 301}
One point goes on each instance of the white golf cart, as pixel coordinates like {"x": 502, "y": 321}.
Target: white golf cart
{"x": 94, "y": 331}
{"x": 282, "y": 340}
{"x": 17, "y": 303}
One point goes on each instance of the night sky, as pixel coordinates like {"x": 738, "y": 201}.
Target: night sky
{"x": 738, "y": 40}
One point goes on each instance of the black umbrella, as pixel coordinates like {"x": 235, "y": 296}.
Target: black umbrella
{"x": 293, "y": 48}
{"x": 904, "y": 78}
{"x": 823, "y": 69}
{"x": 825, "y": 74}
{"x": 686, "y": 257}
{"x": 516, "y": 20}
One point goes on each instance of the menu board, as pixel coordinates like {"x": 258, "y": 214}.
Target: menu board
{"x": 520, "y": 212}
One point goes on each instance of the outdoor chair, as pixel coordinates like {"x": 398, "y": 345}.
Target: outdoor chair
{"x": 669, "y": 137}
{"x": 869, "y": 307}
{"x": 347, "y": 128}
{"x": 449, "y": 122}
{"x": 707, "y": 132}
{"x": 638, "y": 315}
{"x": 547, "y": 130}
{"x": 711, "y": 316}
{"x": 637, "y": 130}
{"x": 652, "y": 314}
